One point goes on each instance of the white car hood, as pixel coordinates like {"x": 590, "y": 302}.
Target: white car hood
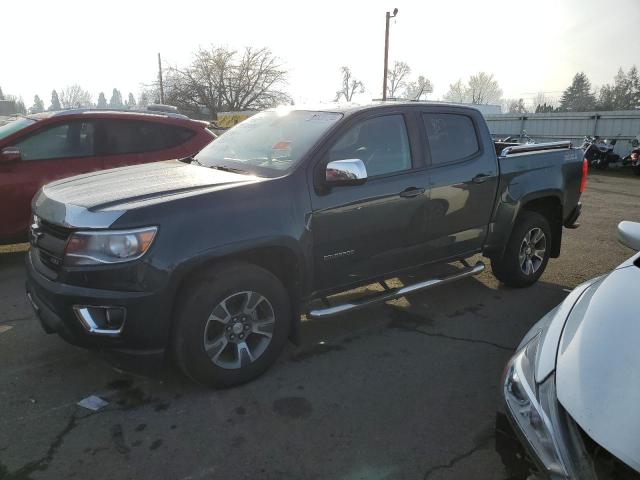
{"x": 598, "y": 363}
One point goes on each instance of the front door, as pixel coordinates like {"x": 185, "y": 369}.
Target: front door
{"x": 367, "y": 230}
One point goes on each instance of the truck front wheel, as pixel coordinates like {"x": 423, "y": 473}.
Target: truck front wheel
{"x": 527, "y": 252}
{"x": 232, "y": 324}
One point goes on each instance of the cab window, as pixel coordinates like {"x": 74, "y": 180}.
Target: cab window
{"x": 381, "y": 143}
{"x": 452, "y": 137}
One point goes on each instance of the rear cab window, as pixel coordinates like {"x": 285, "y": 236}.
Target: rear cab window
{"x": 451, "y": 137}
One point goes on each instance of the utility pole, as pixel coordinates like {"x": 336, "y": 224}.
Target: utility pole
{"x": 160, "y": 79}
{"x": 386, "y": 52}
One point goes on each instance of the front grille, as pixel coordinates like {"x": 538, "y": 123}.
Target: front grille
{"x": 606, "y": 465}
{"x": 50, "y": 261}
{"x": 57, "y": 231}
{"x": 49, "y": 241}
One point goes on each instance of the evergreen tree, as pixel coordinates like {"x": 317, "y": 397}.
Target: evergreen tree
{"x": 55, "y": 102}
{"x": 131, "y": 102}
{"x": 20, "y": 107}
{"x": 623, "y": 94}
{"x": 38, "y": 105}
{"x": 102, "y": 101}
{"x": 116, "y": 99}
{"x": 1, "y": 94}
{"x": 143, "y": 100}
{"x": 578, "y": 96}
{"x": 634, "y": 83}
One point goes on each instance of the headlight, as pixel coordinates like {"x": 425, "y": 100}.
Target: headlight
{"x": 108, "y": 246}
{"x": 532, "y": 407}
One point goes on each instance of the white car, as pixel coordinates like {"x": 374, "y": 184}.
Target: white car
{"x": 572, "y": 390}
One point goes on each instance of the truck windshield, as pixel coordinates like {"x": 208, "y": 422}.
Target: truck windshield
{"x": 268, "y": 143}
{"x": 13, "y": 126}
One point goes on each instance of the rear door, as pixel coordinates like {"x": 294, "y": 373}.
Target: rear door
{"x": 131, "y": 142}
{"x": 363, "y": 231}
{"x": 52, "y": 152}
{"x": 463, "y": 181}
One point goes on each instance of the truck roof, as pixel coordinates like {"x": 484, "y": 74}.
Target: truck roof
{"x": 350, "y": 108}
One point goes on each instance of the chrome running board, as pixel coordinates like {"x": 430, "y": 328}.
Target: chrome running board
{"x": 390, "y": 294}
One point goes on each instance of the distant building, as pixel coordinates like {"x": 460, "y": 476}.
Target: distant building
{"x": 230, "y": 119}
{"x": 8, "y": 107}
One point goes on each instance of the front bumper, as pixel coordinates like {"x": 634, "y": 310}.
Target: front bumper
{"x": 145, "y": 331}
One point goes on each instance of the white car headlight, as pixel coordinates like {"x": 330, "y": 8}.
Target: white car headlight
{"x": 108, "y": 246}
{"x": 532, "y": 406}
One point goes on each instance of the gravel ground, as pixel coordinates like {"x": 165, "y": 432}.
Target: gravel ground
{"x": 409, "y": 389}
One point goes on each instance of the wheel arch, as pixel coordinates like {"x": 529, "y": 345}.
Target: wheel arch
{"x": 550, "y": 207}
{"x": 278, "y": 258}
{"x": 546, "y": 202}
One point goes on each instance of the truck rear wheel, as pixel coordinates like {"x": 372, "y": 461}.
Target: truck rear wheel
{"x": 232, "y": 324}
{"x": 527, "y": 253}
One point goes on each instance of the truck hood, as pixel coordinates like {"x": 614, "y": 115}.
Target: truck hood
{"x": 96, "y": 200}
{"x": 599, "y": 360}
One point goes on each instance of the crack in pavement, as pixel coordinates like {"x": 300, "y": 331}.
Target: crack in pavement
{"x": 41, "y": 464}
{"x": 462, "y": 339}
{"x": 458, "y": 458}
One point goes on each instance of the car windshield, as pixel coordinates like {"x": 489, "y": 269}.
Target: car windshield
{"x": 13, "y": 126}
{"x": 268, "y": 143}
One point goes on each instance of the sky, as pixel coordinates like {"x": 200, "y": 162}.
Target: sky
{"x": 529, "y": 46}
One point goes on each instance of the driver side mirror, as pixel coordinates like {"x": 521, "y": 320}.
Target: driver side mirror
{"x": 345, "y": 172}
{"x": 629, "y": 234}
{"x": 10, "y": 155}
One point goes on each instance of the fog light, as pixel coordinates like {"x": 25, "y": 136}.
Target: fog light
{"x": 107, "y": 321}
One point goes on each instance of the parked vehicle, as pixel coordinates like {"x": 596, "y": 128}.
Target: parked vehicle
{"x": 571, "y": 391}
{"x": 633, "y": 159}
{"x": 216, "y": 259}
{"x": 518, "y": 139}
{"x": 599, "y": 153}
{"x": 40, "y": 148}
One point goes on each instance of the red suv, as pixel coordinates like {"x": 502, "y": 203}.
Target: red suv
{"x": 40, "y": 148}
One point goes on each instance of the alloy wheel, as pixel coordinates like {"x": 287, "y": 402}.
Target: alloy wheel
{"x": 532, "y": 251}
{"x": 239, "y": 330}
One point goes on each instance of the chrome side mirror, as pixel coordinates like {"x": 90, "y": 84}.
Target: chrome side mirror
{"x": 629, "y": 234}
{"x": 346, "y": 172}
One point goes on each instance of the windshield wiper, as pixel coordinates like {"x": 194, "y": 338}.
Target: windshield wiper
{"x": 225, "y": 168}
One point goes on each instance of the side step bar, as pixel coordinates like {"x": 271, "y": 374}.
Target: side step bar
{"x": 397, "y": 292}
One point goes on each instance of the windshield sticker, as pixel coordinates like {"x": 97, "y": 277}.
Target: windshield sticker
{"x": 282, "y": 145}
{"x": 281, "y": 149}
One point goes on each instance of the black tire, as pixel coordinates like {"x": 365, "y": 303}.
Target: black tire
{"x": 197, "y": 304}
{"x": 509, "y": 269}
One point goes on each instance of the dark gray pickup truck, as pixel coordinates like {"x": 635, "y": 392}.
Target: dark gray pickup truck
{"x": 214, "y": 258}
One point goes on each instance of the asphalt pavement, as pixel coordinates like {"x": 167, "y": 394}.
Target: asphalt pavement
{"x": 405, "y": 390}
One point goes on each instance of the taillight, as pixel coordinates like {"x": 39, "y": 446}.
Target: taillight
{"x": 585, "y": 172}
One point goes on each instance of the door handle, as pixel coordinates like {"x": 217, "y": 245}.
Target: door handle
{"x": 481, "y": 177}
{"x": 411, "y": 192}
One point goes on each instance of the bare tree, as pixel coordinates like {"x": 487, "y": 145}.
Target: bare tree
{"x": 513, "y": 105}
{"x": 396, "y": 78}
{"x": 483, "y": 89}
{"x": 350, "y": 85}
{"x": 457, "y": 93}
{"x": 417, "y": 89}
{"x": 221, "y": 79}
{"x": 74, "y": 96}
